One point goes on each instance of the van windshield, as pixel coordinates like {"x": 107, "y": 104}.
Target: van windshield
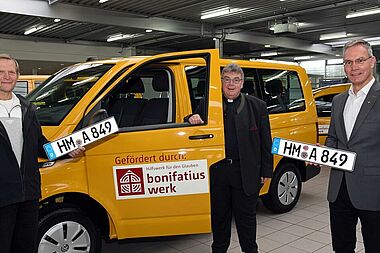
{"x": 62, "y": 91}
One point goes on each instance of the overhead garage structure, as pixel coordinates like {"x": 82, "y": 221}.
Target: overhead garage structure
{"x": 277, "y": 29}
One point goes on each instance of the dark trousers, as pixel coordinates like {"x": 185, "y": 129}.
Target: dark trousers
{"x": 19, "y": 227}
{"x": 344, "y": 217}
{"x": 228, "y": 199}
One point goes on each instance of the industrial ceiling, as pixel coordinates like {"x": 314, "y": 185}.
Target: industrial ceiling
{"x": 274, "y": 29}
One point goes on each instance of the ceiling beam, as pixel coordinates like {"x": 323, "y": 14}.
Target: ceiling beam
{"x": 98, "y": 16}
{"x": 262, "y": 39}
{"x": 83, "y": 35}
{"x": 120, "y": 19}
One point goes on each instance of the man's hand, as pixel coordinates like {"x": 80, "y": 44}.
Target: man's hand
{"x": 196, "y": 119}
{"x": 77, "y": 152}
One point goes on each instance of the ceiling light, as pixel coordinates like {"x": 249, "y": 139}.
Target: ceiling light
{"x": 273, "y": 53}
{"x": 267, "y": 46}
{"x": 148, "y": 30}
{"x": 103, "y": 1}
{"x": 221, "y": 12}
{"x": 33, "y": 29}
{"x": 300, "y": 58}
{"x": 121, "y": 36}
{"x": 57, "y": 20}
{"x": 364, "y": 12}
{"x": 329, "y": 36}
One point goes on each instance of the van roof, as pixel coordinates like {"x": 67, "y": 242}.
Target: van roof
{"x": 135, "y": 59}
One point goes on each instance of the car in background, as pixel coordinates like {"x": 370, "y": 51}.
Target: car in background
{"x": 26, "y": 83}
{"x": 323, "y": 100}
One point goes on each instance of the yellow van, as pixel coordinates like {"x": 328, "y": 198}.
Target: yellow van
{"x": 151, "y": 178}
{"x": 26, "y": 83}
{"x": 323, "y": 98}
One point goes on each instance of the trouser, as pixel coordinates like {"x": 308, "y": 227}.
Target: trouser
{"x": 19, "y": 227}
{"x": 228, "y": 199}
{"x": 344, "y": 217}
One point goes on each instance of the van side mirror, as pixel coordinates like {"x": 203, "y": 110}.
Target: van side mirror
{"x": 99, "y": 115}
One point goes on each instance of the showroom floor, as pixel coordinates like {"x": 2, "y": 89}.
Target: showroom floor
{"x": 304, "y": 229}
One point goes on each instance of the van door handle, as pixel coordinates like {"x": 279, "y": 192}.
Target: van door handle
{"x": 202, "y": 136}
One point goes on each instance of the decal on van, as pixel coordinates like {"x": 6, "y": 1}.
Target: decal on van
{"x": 161, "y": 179}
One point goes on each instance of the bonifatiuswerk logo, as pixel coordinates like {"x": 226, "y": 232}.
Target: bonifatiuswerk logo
{"x": 130, "y": 181}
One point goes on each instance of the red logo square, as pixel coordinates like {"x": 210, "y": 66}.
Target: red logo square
{"x": 130, "y": 181}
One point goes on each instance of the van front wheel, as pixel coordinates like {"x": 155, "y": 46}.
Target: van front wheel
{"x": 68, "y": 230}
{"x": 284, "y": 190}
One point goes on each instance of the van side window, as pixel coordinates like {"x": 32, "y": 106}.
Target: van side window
{"x": 196, "y": 81}
{"x": 323, "y": 104}
{"x": 282, "y": 90}
{"x": 144, "y": 98}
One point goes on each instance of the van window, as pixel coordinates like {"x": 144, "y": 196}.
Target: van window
{"x": 62, "y": 91}
{"x": 144, "y": 98}
{"x": 282, "y": 90}
{"x": 196, "y": 81}
{"x": 323, "y": 104}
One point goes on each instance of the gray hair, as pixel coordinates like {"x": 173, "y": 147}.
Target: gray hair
{"x": 360, "y": 42}
{"x": 8, "y": 57}
{"x": 233, "y": 67}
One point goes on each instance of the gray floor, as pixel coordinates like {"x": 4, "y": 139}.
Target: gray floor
{"x": 304, "y": 229}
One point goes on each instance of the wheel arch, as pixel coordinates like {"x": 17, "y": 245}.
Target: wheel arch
{"x": 300, "y": 165}
{"x": 89, "y": 206}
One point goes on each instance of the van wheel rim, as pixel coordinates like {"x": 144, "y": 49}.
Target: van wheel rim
{"x": 287, "y": 188}
{"x": 65, "y": 237}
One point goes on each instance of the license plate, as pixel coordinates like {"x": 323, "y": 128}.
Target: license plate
{"x": 79, "y": 138}
{"x": 337, "y": 158}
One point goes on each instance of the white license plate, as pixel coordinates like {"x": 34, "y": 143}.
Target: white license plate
{"x": 340, "y": 159}
{"x": 79, "y": 138}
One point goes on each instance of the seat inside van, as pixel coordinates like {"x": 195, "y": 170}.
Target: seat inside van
{"x": 156, "y": 109}
{"x": 275, "y": 100}
{"x": 128, "y": 104}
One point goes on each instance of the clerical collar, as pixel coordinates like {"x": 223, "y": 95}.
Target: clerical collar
{"x": 233, "y": 100}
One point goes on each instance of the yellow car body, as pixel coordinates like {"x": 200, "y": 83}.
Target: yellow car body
{"x": 323, "y": 98}
{"x": 151, "y": 178}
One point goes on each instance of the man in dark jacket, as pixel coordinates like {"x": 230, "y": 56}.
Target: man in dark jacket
{"x": 21, "y": 142}
{"x": 236, "y": 180}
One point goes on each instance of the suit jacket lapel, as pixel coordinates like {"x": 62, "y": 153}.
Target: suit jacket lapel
{"x": 368, "y": 103}
{"x": 340, "y": 115}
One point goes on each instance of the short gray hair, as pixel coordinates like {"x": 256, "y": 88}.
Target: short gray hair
{"x": 8, "y": 57}
{"x": 233, "y": 67}
{"x": 360, "y": 42}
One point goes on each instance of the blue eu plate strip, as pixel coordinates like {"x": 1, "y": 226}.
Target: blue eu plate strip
{"x": 49, "y": 151}
{"x": 276, "y": 145}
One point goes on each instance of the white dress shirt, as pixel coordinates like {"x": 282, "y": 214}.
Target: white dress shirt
{"x": 353, "y": 104}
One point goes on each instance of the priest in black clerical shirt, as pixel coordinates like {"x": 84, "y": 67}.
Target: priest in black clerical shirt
{"x": 236, "y": 180}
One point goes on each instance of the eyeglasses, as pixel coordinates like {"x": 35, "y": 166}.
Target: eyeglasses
{"x": 359, "y": 61}
{"x": 235, "y": 80}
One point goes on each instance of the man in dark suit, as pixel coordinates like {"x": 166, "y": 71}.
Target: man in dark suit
{"x": 236, "y": 180}
{"x": 355, "y": 126}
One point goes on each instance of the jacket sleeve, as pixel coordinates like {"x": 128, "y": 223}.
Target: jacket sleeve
{"x": 266, "y": 144}
{"x": 41, "y": 139}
